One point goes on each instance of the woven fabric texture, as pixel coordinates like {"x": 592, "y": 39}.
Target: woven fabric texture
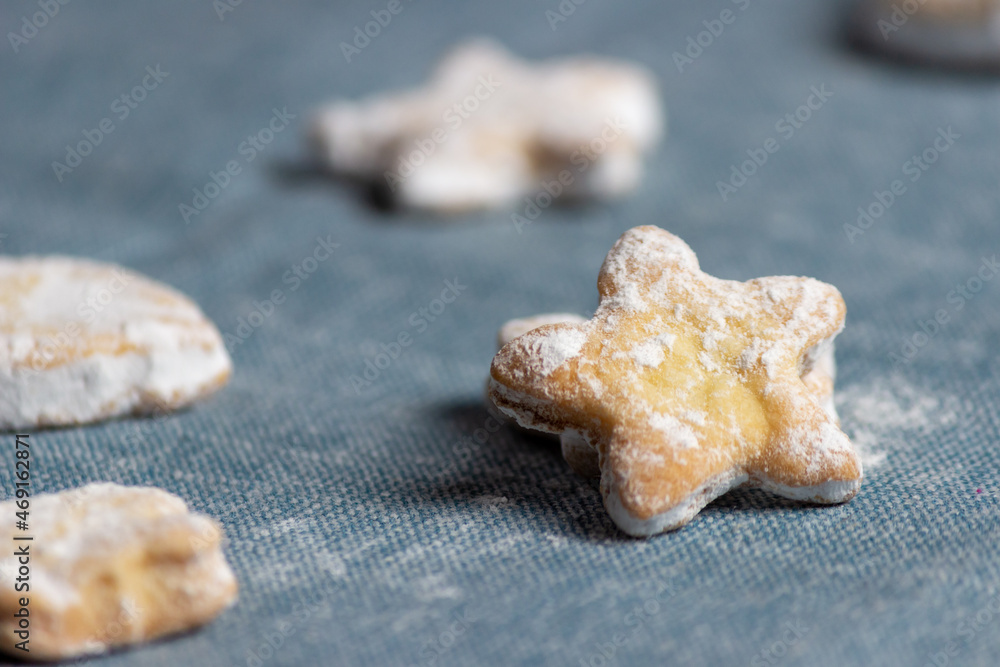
{"x": 392, "y": 523}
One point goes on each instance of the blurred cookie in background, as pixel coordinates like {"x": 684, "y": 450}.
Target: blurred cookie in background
{"x": 488, "y": 129}
{"x": 950, "y": 33}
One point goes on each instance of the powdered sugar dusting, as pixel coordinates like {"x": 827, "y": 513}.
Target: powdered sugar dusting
{"x": 708, "y": 362}
{"x": 800, "y": 308}
{"x": 651, "y": 352}
{"x": 694, "y": 417}
{"x": 679, "y": 433}
{"x": 519, "y": 327}
{"x": 644, "y": 249}
{"x": 881, "y": 412}
{"x": 556, "y": 347}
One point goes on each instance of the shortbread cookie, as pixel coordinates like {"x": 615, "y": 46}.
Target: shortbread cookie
{"x": 110, "y": 565}
{"x": 489, "y": 129}
{"x": 82, "y": 341}
{"x": 686, "y": 385}
{"x": 819, "y": 372}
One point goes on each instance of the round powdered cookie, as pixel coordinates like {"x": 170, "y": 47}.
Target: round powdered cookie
{"x": 82, "y": 341}
{"x": 109, "y": 566}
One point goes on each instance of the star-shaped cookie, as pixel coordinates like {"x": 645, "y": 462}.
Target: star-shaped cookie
{"x": 488, "y": 129}
{"x": 819, "y": 378}
{"x": 686, "y": 385}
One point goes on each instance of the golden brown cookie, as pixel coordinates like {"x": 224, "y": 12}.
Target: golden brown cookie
{"x": 686, "y": 385}
{"x": 110, "y": 565}
{"x": 819, "y": 372}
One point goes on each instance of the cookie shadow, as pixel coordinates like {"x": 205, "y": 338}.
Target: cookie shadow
{"x": 139, "y": 422}
{"x": 311, "y": 173}
{"x": 511, "y": 476}
{"x": 746, "y": 499}
{"x": 494, "y": 472}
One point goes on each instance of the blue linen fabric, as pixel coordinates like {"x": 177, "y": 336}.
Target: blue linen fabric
{"x": 394, "y": 523}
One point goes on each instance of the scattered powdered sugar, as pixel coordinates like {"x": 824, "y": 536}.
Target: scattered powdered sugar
{"x": 878, "y": 412}
{"x": 868, "y": 446}
{"x": 893, "y": 403}
{"x": 708, "y": 362}
{"x": 718, "y": 316}
{"x": 556, "y": 346}
{"x": 695, "y": 417}
{"x": 629, "y": 298}
{"x": 677, "y": 431}
{"x": 436, "y": 587}
{"x": 648, "y": 354}
{"x": 750, "y": 354}
{"x": 521, "y": 326}
{"x": 651, "y": 352}
{"x": 711, "y": 338}
{"x": 771, "y": 359}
